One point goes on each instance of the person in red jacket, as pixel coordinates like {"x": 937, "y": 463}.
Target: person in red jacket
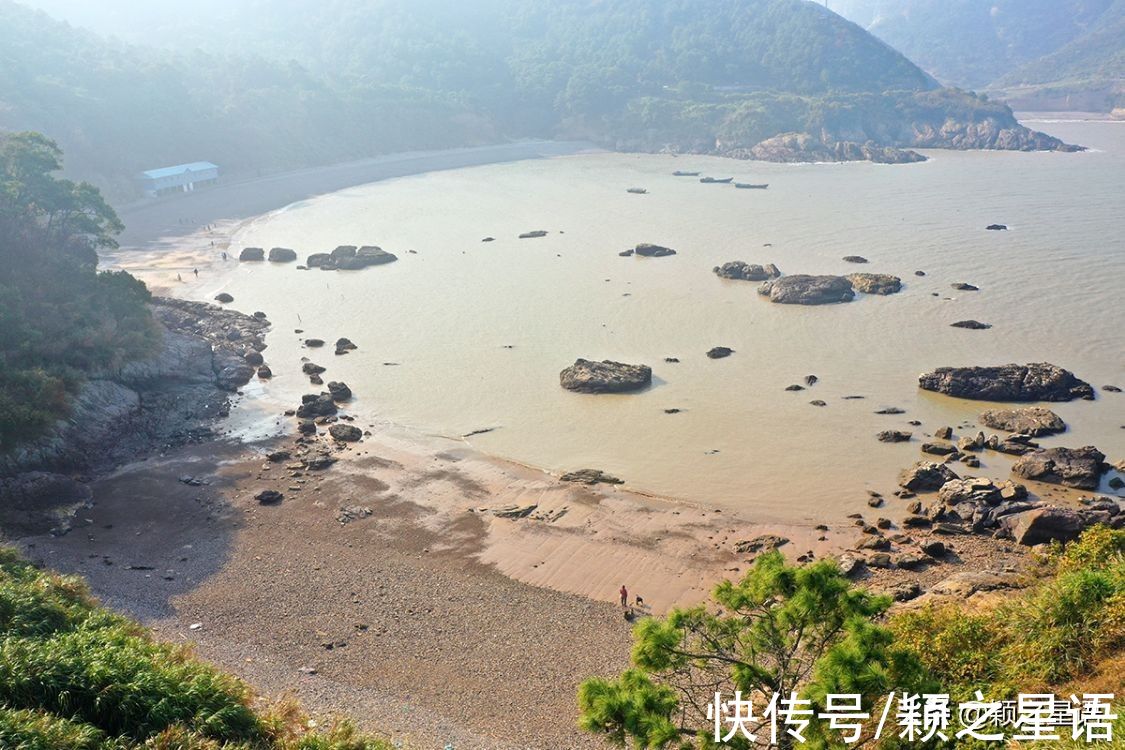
{"x": 624, "y": 596}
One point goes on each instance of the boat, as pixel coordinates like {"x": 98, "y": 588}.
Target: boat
{"x": 716, "y": 180}
{"x": 751, "y": 186}
{"x": 637, "y": 191}
{"x": 681, "y": 173}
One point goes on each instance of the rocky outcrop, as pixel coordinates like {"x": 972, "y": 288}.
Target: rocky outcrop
{"x": 803, "y": 289}
{"x": 1034, "y": 421}
{"x": 647, "y": 250}
{"x": 1039, "y": 381}
{"x": 282, "y": 255}
{"x": 875, "y": 283}
{"x": 590, "y": 476}
{"x": 801, "y": 147}
{"x": 742, "y": 271}
{"x": 926, "y": 476}
{"x": 1073, "y": 467}
{"x": 252, "y": 253}
{"x": 365, "y": 257}
{"x": 586, "y": 376}
{"x": 1052, "y": 523}
{"x": 38, "y": 502}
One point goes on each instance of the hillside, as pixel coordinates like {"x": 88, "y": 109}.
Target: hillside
{"x": 322, "y": 82}
{"x": 1059, "y": 47}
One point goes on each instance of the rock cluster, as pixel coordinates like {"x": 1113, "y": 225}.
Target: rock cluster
{"x": 590, "y": 476}
{"x": 875, "y": 283}
{"x": 350, "y": 258}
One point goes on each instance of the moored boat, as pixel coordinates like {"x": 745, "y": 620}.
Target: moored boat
{"x": 716, "y": 180}
{"x": 751, "y": 186}
{"x": 681, "y": 173}
{"x": 637, "y": 191}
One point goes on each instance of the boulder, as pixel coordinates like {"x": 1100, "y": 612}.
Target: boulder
{"x": 1073, "y": 467}
{"x": 893, "y": 436}
{"x": 533, "y": 234}
{"x": 1039, "y": 381}
{"x": 223, "y": 298}
{"x": 653, "y": 251}
{"x": 590, "y": 476}
{"x": 339, "y": 391}
{"x": 343, "y": 346}
{"x": 961, "y": 286}
{"x": 316, "y": 405}
{"x": 587, "y": 376}
{"x": 321, "y": 260}
{"x": 314, "y": 343}
{"x": 312, "y": 368}
{"x": 854, "y": 259}
{"x": 269, "y": 497}
{"x": 719, "y": 352}
{"x": 979, "y": 490}
{"x": 742, "y": 271}
{"x": 875, "y": 283}
{"x": 974, "y": 325}
{"x": 344, "y": 251}
{"x": 365, "y": 257}
{"x": 996, "y": 227}
{"x": 264, "y": 372}
{"x": 938, "y": 449}
{"x": 252, "y": 253}
{"x": 231, "y": 373}
{"x": 803, "y": 289}
{"x": 1044, "y": 525}
{"x": 926, "y": 476}
{"x": 253, "y": 357}
{"x": 345, "y": 433}
{"x": 1034, "y": 420}
{"x": 282, "y": 255}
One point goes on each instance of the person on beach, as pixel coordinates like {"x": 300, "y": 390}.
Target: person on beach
{"x": 624, "y": 596}
{"x": 196, "y": 273}
{"x": 179, "y": 278}
{"x": 224, "y": 253}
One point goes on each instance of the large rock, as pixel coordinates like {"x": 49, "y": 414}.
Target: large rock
{"x": 339, "y": 391}
{"x": 803, "y": 289}
{"x": 364, "y": 257}
{"x": 1045, "y": 524}
{"x": 926, "y": 476}
{"x": 1039, "y": 381}
{"x": 875, "y": 283}
{"x": 742, "y": 271}
{"x": 345, "y": 433}
{"x": 653, "y": 251}
{"x": 316, "y": 405}
{"x": 1033, "y": 420}
{"x": 282, "y": 255}
{"x": 586, "y": 376}
{"x": 1073, "y": 467}
{"x": 980, "y": 490}
{"x": 252, "y": 253}
{"x": 321, "y": 260}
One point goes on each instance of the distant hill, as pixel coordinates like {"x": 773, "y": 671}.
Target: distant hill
{"x": 315, "y": 81}
{"x": 1038, "y": 51}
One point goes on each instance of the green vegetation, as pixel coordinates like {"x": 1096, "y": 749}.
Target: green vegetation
{"x": 352, "y": 80}
{"x": 784, "y": 628}
{"x": 62, "y": 319}
{"x": 74, "y": 676}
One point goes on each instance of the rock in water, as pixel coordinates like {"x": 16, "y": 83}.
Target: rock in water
{"x": 719, "y": 352}
{"x": 926, "y": 476}
{"x": 875, "y": 283}
{"x": 282, "y": 255}
{"x": 586, "y": 376}
{"x": 339, "y": 391}
{"x": 893, "y": 436}
{"x": 590, "y": 476}
{"x": 854, "y": 259}
{"x": 535, "y": 234}
{"x": 961, "y": 286}
{"x": 345, "y": 433}
{"x": 653, "y": 251}
{"x": 223, "y": 298}
{"x": 1039, "y": 381}
{"x": 803, "y": 289}
{"x": 974, "y": 325}
{"x": 996, "y": 227}
{"x": 1034, "y": 421}
{"x": 1072, "y": 467}
{"x": 741, "y": 271}
{"x": 252, "y": 253}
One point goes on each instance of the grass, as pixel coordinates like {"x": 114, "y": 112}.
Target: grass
{"x": 74, "y": 676}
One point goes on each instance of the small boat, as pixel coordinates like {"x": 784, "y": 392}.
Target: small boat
{"x": 716, "y": 180}
{"x": 637, "y": 191}
{"x": 681, "y": 173}
{"x": 751, "y": 186}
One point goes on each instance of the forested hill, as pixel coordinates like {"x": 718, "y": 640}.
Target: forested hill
{"x": 315, "y": 81}
{"x": 1070, "y": 45}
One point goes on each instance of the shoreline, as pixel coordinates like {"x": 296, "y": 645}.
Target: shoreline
{"x": 415, "y": 567}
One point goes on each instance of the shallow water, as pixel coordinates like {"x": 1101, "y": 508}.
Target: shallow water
{"x": 1051, "y": 286}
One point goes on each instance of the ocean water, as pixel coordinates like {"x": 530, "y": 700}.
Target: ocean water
{"x": 478, "y": 332}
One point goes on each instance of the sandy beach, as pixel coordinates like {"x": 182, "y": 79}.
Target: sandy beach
{"x": 435, "y": 593}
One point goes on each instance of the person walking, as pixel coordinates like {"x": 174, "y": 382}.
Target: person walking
{"x": 624, "y": 596}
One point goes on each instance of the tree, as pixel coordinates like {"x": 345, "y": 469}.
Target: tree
{"x": 778, "y": 631}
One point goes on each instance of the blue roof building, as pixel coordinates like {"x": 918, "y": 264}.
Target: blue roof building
{"x": 180, "y": 178}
